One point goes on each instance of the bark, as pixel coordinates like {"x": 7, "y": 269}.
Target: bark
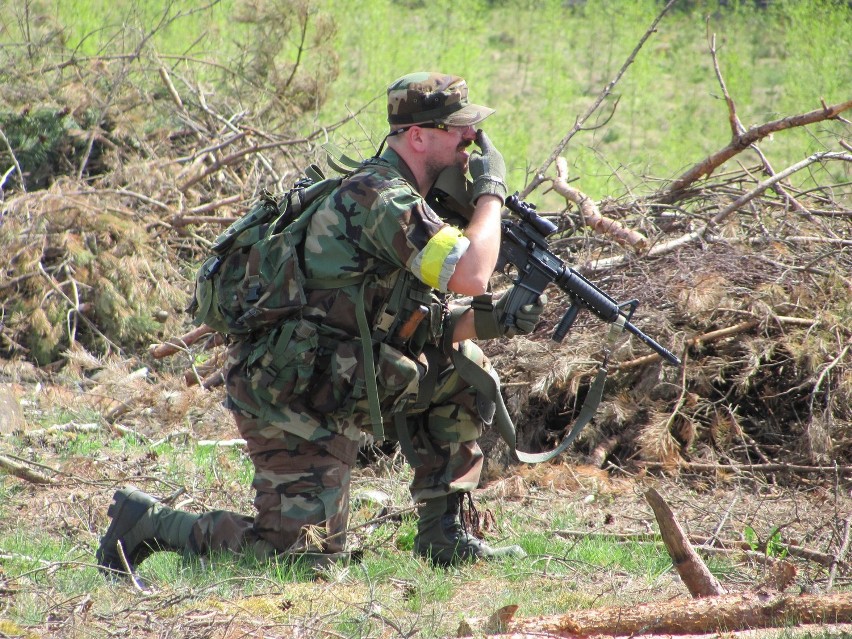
{"x": 694, "y": 574}
{"x": 723, "y": 614}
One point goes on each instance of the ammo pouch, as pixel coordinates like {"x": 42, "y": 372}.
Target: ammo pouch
{"x": 284, "y": 361}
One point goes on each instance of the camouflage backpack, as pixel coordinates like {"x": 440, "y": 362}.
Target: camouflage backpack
{"x": 254, "y": 280}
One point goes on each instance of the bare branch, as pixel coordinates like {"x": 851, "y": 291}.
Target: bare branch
{"x": 591, "y": 214}
{"x": 745, "y": 140}
{"x": 539, "y": 175}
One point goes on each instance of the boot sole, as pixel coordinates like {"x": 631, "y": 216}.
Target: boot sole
{"x": 107, "y": 554}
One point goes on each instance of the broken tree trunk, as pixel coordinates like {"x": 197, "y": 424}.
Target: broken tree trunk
{"x": 694, "y": 574}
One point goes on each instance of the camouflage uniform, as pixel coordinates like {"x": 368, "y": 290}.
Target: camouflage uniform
{"x": 299, "y": 392}
{"x": 301, "y": 405}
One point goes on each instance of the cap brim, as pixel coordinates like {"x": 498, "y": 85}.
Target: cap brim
{"x": 468, "y": 115}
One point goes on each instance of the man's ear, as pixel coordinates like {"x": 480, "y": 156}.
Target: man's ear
{"x": 416, "y": 140}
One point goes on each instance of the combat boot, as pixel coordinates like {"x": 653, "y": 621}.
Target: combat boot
{"x": 143, "y": 526}
{"x": 442, "y": 539}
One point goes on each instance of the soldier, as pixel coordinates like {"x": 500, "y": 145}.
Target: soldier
{"x": 377, "y": 341}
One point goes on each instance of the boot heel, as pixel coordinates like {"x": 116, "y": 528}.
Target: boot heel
{"x": 117, "y": 502}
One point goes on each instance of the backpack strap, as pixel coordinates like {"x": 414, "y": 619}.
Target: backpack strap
{"x": 369, "y": 365}
{"x": 338, "y": 160}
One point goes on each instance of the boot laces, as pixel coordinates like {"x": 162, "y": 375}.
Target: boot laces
{"x": 469, "y": 516}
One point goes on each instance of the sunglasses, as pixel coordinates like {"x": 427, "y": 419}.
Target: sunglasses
{"x": 427, "y": 125}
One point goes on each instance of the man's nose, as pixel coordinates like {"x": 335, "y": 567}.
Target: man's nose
{"x": 468, "y": 132}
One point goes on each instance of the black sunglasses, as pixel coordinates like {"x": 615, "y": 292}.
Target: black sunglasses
{"x": 425, "y": 125}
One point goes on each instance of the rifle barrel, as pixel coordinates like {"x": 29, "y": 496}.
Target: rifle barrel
{"x": 591, "y": 297}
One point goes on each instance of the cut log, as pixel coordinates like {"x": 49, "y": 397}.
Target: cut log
{"x": 726, "y": 613}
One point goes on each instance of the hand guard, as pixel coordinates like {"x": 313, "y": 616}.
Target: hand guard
{"x": 487, "y": 170}
{"x": 488, "y": 316}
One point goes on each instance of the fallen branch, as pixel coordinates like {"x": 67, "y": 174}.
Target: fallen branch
{"x": 756, "y": 551}
{"x": 668, "y": 247}
{"x": 743, "y": 141}
{"x": 714, "y": 336}
{"x": 22, "y": 472}
{"x": 591, "y": 214}
{"x": 222, "y": 443}
{"x": 179, "y": 221}
{"x": 238, "y": 156}
{"x": 212, "y": 206}
{"x": 216, "y": 379}
{"x": 726, "y": 613}
{"x": 181, "y": 343}
{"x": 744, "y": 199}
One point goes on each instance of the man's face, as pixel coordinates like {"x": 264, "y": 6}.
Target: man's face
{"x": 448, "y": 146}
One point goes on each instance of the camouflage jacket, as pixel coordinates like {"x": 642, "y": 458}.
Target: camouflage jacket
{"x": 375, "y": 223}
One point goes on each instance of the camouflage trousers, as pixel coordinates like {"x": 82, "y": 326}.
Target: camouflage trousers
{"x": 302, "y": 486}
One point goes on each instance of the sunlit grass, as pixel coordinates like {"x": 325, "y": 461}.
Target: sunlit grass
{"x": 542, "y": 63}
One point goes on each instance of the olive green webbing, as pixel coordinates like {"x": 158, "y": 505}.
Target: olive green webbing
{"x": 484, "y": 383}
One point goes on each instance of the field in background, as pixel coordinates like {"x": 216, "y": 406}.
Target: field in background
{"x": 541, "y": 63}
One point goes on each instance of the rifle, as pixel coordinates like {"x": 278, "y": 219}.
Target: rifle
{"x": 524, "y": 246}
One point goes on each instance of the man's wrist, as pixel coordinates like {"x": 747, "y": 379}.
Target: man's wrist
{"x": 487, "y": 185}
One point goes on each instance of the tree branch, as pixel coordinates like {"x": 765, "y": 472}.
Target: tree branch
{"x": 591, "y": 214}
{"x": 539, "y": 175}
{"x": 743, "y": 141}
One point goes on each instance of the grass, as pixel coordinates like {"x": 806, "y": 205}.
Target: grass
{"x": 50, "y": 563}
{"x": 539, "y": 62}
{"x": 48, "y": 553}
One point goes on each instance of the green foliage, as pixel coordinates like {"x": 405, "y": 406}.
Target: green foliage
{"x": 46, "y": 141}
{"x": 772, "y": 548}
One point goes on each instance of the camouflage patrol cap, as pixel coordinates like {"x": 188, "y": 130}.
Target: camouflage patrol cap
{"x": 422, "y": 97}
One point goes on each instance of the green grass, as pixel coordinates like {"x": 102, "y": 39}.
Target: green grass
{"x": 540, "y": 63}
{"x": 48, "y": 564}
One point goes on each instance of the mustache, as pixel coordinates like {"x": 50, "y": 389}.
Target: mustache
{"x": 464, "y": 144}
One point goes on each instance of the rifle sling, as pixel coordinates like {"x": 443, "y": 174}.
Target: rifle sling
{"x": 489, "y": 386}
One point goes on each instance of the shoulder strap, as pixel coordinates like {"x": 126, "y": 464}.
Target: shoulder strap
{"x": 338, "y": 160}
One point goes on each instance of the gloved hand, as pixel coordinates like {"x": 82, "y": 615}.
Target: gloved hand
{"x": 487, "y": 316}
{"x": 487, "y": 170}
{"x": 527, "y": 317}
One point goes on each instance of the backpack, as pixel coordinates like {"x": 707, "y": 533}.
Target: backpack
{"x": 253, "y": 280}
